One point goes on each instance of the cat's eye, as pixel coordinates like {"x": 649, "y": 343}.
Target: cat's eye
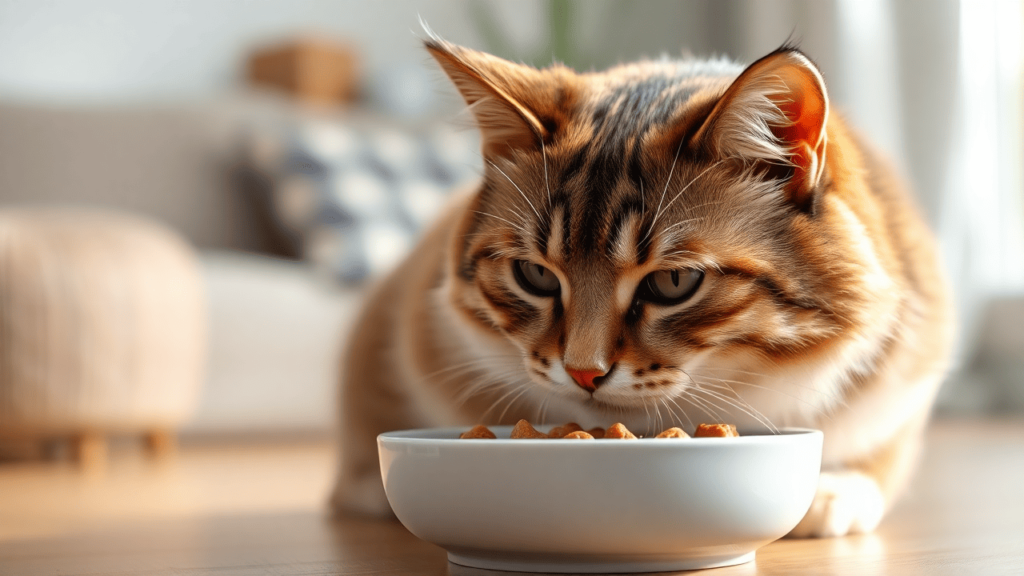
{"x": 670, "y": 286}
{"x": 535, "y": 279}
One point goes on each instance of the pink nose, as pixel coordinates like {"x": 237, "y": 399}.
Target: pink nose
{"x": 585, "y": 378}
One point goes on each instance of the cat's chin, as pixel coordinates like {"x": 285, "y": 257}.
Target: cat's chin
{"x": 610, "y": 406}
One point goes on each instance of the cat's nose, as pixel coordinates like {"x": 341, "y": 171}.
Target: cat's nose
{"x": 589, "y": 380}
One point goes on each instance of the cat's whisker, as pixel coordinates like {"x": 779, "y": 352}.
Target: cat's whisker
{"x": 769, "y": 389}
{"x": 542, "y": 414}
{"x": 509, "y": 222}
{"x": 490, "y": 369}
{"x": 668, "y": 181}
{"x": 654, "y": 424}
{"x": 721, "y": 404}
{"x": 485, "y": 372}
{"x": 715, "y": 203}
{"x": 819, "y": 411}
{"x": 485, "y": 382}
{"x": 660, "y": 403}
{"x": 646, "y": 411}
{"x": 757, "y": 413}
{"x": 643, "y": 199}
{"x": 753, "y": 413}
{"x": 710, "y": 405}
{"x": 668, "y": 255}
{"x": 724, "y": 384}
{"x": 513, "y": 388}
{"x": 523, "y": 220}
{"x": 715, "y": 407}
{"x": 690, "y": 399}
{"x": 478, "y": 361}
{"x": 685, "y": 188}
{"x": 478, "y": 388}
{"x": 521, "y": 193}
{"x": 680, "y": 409}
{"x": 547, "y": 184}
{"x": 682, "y": 223}
{"x": 668, "y": 420}
{"x": 525, "y": 388}
{"x": 758, "y": 374}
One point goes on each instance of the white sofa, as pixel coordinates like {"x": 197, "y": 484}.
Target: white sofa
{"x": 276, "y": 334}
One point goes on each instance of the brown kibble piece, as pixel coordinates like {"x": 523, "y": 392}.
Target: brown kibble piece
{"x": 523, "y": 430}
{"x": 716, "y": 431}
{"x": 561, "y": 431}
{"x": 478, "y": 432}
{"x": 596, "y": 432}
{"x": 578, "y": 435}
{"x": 617, "y": 430}
{"x": 673, "y": 432}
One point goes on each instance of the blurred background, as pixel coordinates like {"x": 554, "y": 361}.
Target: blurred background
{"x": 300, "y": 146}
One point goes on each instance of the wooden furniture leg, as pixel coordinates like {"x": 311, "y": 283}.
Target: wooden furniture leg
{"x": 90, "y": 451}
{"x": 161, "y": 443}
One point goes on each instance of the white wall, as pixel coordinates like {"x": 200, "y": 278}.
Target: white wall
{"x": 131, "y": 50}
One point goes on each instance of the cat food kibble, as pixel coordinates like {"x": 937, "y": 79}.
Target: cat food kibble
{"x": 561, "y": 431}
{"x": 673, "y": 433}
{"x": 716, "y": 431}
{"x": 523, "y": 430}
{"x": 478, "y": 432}
{"x": 617, "y": 430}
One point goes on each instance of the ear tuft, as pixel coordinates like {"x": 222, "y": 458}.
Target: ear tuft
{"x": 776, "y": 112}
{"x": 489, "y": 86}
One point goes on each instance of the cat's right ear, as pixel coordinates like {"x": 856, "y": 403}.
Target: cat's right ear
{"x": 495, "y": 90}
{"x": 775, "y": 112}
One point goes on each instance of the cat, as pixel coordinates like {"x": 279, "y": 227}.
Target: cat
{"x": 663, "y": 243}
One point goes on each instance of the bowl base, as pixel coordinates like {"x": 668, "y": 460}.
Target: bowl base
{"x": 578, "y": 564}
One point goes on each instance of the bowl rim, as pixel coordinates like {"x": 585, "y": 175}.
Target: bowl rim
{"x": 414, "y": 436}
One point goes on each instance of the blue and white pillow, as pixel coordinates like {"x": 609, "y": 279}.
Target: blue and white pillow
{"x": 358, "y": 197}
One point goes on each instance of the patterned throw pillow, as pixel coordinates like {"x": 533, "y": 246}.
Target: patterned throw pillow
{"x": 358, "y": 197}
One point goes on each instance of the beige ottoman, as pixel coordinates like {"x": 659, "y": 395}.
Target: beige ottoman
{"x": 102, "y": 328}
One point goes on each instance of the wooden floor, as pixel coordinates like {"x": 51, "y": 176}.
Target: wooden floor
{"x": 230, "y": 510}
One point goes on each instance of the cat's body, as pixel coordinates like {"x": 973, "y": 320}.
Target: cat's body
{"x": 661, "y": 244}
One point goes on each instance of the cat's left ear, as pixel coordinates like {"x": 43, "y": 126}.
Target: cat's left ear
{"x": 495, "y": 90}
{"x": 775, "y": 112}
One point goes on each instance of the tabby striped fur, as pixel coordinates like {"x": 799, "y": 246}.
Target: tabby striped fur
{"x": 822, "y": 304}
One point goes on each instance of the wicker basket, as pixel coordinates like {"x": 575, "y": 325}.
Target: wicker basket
{"x": 102, "y": 326}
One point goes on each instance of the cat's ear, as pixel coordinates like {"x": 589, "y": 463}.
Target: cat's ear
{"x": 775, "y": 112}
{"x": 490, "y": 86}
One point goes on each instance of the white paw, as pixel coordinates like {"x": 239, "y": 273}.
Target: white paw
{"x": 363, "y": 496}
{"x": 846, "y": 503}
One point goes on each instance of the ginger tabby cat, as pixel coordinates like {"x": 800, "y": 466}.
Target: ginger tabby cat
{"x": 657, "y": 244}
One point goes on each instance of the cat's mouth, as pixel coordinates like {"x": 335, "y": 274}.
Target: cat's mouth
{"x": 603, "y": 405}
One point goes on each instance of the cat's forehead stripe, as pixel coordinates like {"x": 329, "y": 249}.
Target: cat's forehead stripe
{"x": 620, "y": 121}
{"x": 629, "y": 207}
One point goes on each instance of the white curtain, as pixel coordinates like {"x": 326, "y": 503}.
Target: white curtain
{"x": 982, "y": 219}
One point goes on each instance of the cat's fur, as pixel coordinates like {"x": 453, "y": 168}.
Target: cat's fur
{"x": 822, "y": 304}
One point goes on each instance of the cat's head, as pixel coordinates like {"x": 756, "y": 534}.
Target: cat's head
{"x": 639, "y": 229}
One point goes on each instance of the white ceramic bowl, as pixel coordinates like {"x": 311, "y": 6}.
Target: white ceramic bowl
{"x": 599, "y": 505}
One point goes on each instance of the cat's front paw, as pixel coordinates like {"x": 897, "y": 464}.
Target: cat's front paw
{"x": 846, "y": 503}
{"x": 361, "y": 497}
